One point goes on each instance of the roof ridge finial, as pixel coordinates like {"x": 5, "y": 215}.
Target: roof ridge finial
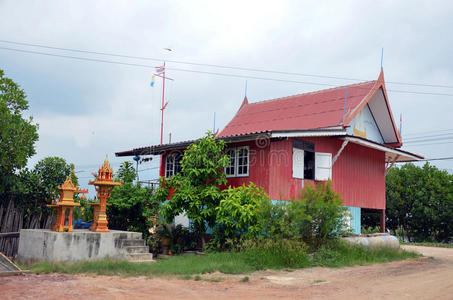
{"x": 382, "y": 57}
{"x": 245, "y": 101}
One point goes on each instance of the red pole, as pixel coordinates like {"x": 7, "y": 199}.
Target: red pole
{"x": 162, "y": 109}
{"x": 161, "y": 168}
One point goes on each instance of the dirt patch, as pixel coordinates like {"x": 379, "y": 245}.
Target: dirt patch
{"x": 426, "y": 278}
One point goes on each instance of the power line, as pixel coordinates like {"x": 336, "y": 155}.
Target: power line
{"x": 430, "y": 131}
{"x": 153, "y": 168}
{"x": 217, "y": 66}
{"x": 434, "y": 139}
{"x": 432, "y": 159}
{"x": 206, "y": 72}
{"x": 441, "y": 143}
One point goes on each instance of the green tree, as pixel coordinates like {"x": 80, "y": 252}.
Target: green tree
{"x": 420, "y": 203}
{"x": 126, "y": 172}
{"x": 131, "y": 204}
{"x": 53, "y": 171}
{"x": 18, "y": 134}
{"x": 34, "y": 189}
{"x": 196, "y": 189}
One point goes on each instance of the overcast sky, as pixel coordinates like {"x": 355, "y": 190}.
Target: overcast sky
{"x": 87, "y": 109}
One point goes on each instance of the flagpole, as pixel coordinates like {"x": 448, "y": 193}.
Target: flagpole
{"x": 162, "y": 109}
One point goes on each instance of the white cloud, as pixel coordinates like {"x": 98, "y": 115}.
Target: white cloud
{"x": 89, "y": 109}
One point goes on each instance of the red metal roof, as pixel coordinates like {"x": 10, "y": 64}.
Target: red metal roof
{"x": 314, "y": 110}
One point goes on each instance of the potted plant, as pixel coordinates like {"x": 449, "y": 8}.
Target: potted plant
{"x": 165, "y": 233}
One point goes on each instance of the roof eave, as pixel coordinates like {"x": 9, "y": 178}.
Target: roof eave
{"x": 330, "y": 131}
{"x": 161, "y": 149}
{"x": 395, "y": 155}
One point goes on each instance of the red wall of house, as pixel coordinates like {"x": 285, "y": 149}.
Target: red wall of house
{"x": 358, "y": 174}
{"x": 259, "y": 172}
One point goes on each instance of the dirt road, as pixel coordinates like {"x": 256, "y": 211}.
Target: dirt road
{"x": 426, "y": 278}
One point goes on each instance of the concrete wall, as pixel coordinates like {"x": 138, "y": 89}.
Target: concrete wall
{"x": 41, "y": 244}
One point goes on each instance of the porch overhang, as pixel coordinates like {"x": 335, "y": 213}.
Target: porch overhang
{"x": 392, "y": 155}
{"x": 161, "y": 149}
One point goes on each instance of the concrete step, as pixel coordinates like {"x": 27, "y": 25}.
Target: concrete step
{"x": 136, "y": 249}
{"x": 139, "y": 257}
{"x": 142, "y": 261}
{"x": 132, "y": 242}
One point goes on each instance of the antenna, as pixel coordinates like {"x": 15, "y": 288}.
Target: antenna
{"x": 382, "y": 56}
{"x": 245, "y": 94}
{"x": 213, "y": 128}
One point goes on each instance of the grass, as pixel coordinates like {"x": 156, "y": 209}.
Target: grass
{"x": 428, "y": 244}
{"x": 244, "y": 279}
{"x": 336, "y": 255}
{"x": 318, "y": 281}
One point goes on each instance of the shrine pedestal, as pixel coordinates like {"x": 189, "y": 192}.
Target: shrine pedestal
{"x": 81, "y": 244}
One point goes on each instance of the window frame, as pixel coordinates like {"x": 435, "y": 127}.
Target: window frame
{"x": 174, "y": 162}
{"x": 322, "y": 169}
{"x": 236, "y": 162}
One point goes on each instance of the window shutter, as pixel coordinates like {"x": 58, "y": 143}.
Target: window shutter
{"x": 323, "y": 166}
{"x": 298, "y": 163}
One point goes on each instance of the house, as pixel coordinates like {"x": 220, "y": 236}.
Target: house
{"x": 346, "y": 134}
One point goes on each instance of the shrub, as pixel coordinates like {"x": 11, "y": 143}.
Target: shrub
{"x": 315, "y": 217}
{"x": 238, "y": 211}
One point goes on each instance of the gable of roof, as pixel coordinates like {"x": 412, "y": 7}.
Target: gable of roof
{"x": 314, "y": 110}
{"x": 377, "y": 101}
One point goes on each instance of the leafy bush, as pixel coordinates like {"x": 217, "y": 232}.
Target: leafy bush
{"x": 315, "y": 217}
{"x": 238, "y": 211}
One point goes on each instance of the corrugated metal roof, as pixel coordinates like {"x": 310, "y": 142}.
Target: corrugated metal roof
{"x": 160, "y": 149}
{"x": 314, "y": 110}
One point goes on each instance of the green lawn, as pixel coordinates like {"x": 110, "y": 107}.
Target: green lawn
{"x": 337, "y": 255}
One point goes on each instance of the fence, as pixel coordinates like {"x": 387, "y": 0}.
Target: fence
{"x": 12, "y": 221}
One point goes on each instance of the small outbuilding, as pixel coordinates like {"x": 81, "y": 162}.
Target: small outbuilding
{"x": 346, "y": 134}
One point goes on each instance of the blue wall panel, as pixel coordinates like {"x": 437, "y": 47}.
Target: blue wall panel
{"x": 355, "y": 219}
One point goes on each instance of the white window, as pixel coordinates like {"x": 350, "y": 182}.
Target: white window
{"x": 173, "y": 164}
{"x": 308, "y": 164}
{"x": 298, "y": 163}
{"x": 239, "y": 162}
{"x": 323, "y": 166}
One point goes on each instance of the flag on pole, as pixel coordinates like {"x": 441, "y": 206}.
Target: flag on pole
{"x": 160, "y": 70}
{"x": 153, "y": 80}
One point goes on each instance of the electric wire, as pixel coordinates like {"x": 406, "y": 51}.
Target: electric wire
{"x": 442, "y": 135}
{"x": 217, "y": 65}
{"x": 210, "y": 73}
{"x": 432, "y": 159}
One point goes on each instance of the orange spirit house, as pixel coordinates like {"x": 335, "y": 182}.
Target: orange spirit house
{"x": 65, "y": 205}
{"x": 104, "y": 184}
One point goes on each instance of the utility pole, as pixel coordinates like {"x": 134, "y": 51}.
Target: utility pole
{"x": 162, "y": 108}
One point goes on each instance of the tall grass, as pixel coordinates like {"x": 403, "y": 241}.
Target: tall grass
{"x": 252, "y": 257}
